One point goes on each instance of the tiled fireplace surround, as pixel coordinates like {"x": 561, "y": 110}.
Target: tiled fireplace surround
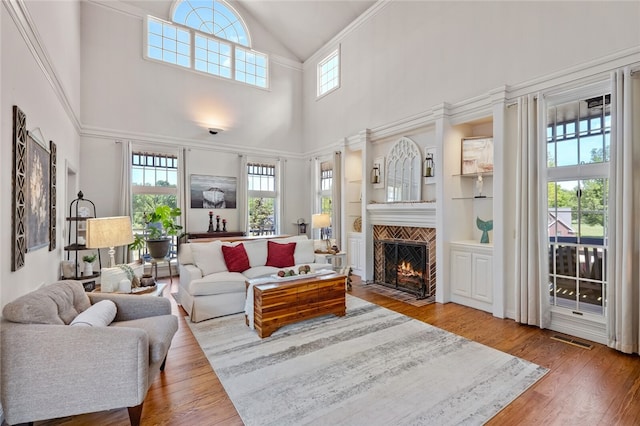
{"x": 410, "y": 234}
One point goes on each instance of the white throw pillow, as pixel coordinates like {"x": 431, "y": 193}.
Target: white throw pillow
{"x": 208, "y": 257}
{"x": 256, "y": 252}
{"x": 99, "y": 315}
{"x": 304, "y": 252}
{"x": 185, "y": 255}
{"x": 110, "y": 277}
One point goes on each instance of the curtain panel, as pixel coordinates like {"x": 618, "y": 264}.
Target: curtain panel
{"x": 623, "y": 294}
{"x": 530, "y": 216}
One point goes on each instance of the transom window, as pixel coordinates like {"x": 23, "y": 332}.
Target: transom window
{"x": 329, "y": 73}
{"x": 212, "y": 17}
{"x": 579, "y": 133}
{"x": 210, "y": 37}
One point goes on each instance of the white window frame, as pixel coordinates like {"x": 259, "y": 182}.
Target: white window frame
{"x": 275, "y": 194}
{"x": 588, "y": 326}
{"x": 235, "y": 47}
{"x": 335, "y": 54}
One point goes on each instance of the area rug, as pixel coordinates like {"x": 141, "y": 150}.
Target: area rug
{"x": 399, "y": 295}
{"x": 370, "y": 367}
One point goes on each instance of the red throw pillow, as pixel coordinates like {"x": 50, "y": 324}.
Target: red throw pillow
{"x": 280, "y": 255}
{"x": 236, "y": 258}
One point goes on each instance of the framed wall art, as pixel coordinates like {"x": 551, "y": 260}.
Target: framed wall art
{"x": 477, "y": 155}
{"x": 38, "y": 175}
{"x": 213, "y": 192}
{"x": 33, "y": 197}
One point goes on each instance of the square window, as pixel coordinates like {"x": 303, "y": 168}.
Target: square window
{"x": 184, "y": 61}
{"x": 155, "y": 53}
{"x": 154, "y": 27}
{"x": 328, "y": 73}
{"x": 155, "y": 40}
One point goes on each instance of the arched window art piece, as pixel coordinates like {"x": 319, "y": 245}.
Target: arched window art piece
{"x": 404, "y": 171}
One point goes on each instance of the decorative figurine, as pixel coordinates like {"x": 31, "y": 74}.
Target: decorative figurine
{"x": 485, "y": 227}
{"x": 479, "y": 183}
{"x": 210, "y": 222}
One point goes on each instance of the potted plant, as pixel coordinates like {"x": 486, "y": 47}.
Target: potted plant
{"x": 161, "y": 226}
{"x": 88, "y": 263}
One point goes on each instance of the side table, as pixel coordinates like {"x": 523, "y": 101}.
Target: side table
{"x": 337, "y": 260}
{"x": 154, "y": 267}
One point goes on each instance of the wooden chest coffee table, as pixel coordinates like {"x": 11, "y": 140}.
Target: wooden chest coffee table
{"x": 276, "y": 304}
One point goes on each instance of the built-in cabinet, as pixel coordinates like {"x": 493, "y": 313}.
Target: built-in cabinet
{"x": 471, "y": 269}
{"x": 355, "y": 250}
{"x": 453, "y": 200}
{"x": 473, "y": 201}
{"x": 354, "y": 219}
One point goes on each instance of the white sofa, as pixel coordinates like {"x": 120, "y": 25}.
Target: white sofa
{"x": 208, "y": 289}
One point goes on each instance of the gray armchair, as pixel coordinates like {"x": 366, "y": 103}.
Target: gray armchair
{"x": 51, "y": 369}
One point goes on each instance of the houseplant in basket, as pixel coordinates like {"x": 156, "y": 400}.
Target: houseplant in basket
{"x": 161, "y": 227}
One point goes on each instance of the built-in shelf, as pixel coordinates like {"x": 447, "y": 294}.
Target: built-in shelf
{"x": 473, "y": 175}
{"x": 472, "y": 243}
{"x": 472, "y": 198}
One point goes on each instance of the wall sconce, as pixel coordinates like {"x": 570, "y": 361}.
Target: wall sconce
{"x": 375, "y": 173}
{"x": 428, "y": 165}
{"x": 302, "y": 226}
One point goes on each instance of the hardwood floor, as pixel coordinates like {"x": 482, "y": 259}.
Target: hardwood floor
{"x": 584, "y": 387}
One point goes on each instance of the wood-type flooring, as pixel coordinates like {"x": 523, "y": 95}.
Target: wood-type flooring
{"x": 584, "y": 387}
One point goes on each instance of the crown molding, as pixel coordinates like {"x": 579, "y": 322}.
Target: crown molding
{"x": 19, "y": 12}
{"x": 173, "y": 142}
{"x": 598, "y": 68}
{"x": 368, "y": 14}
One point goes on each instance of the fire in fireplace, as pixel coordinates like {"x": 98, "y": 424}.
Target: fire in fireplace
{"x": 405, "y": 267}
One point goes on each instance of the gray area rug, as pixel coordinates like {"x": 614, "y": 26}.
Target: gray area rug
{"x": 371, "y": 367}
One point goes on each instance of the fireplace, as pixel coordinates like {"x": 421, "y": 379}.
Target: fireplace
{"x": 405, "y": 267}
{"x": 404, "y": 259}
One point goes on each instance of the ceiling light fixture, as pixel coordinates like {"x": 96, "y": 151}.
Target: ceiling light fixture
{"x": 215, "y": 131}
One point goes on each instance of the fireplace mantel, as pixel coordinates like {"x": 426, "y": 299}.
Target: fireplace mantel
{"x": 403, "y": 214}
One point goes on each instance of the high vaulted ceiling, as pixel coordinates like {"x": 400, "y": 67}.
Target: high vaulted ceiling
{"x": 303, "y": 26}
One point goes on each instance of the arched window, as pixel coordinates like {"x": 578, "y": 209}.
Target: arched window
{"x": 207, "y": 36}
{"x": 212, "y": 17}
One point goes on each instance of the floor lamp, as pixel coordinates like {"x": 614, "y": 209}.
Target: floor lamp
{"x": 109, "y": 232}
{"x": 322, "y": 221}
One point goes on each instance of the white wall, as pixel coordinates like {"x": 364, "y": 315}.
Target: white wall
{"x": 413, "y": 55}
{"x": 124, "y": 93}
{"x": 26, "y": 84}
{"x": 126, "y": 97}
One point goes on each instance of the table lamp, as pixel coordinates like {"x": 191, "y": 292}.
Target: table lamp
{"x": 109, "y": 232}
{"x": 322, "y": 221}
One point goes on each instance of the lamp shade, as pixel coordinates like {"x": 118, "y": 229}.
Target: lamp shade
{"x": 109, "y": 232}
{"x": 320, "y": 220}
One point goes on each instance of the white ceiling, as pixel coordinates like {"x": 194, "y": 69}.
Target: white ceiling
{"x": 303, "y": 26}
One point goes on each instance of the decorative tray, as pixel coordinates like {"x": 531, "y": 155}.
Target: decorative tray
{"x": 298, "y": 277}
{"x": 144, "y": 290}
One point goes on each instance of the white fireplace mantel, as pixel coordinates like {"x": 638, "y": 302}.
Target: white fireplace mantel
{"x": 403, "y": 214}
